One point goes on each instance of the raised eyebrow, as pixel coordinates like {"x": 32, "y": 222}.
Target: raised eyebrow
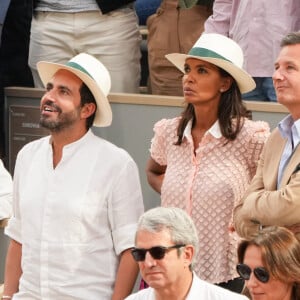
{"x": 63, "y": 87}
{"x": 200, "y": 65}
{"x": 292, "y": 63}
{"x": 49, "y": 86}
{"x": 285, "y": 63}
{"x": 204, "y": 65}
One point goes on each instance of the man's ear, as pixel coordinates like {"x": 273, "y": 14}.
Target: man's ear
{"x": 188, "y": 252}
{"x": 87, "y": 110}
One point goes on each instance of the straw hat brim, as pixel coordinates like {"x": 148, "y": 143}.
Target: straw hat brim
{"x": 103, "y": 116}
{"x": 244, "y": 81}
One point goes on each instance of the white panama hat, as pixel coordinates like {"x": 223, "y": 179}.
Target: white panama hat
{"x": 221, "y": 51}
{"x": 93, "y": 73}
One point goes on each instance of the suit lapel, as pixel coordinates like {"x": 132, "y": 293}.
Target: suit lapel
{"x": 292, "y": 166}
{"x": 273, "y": 157}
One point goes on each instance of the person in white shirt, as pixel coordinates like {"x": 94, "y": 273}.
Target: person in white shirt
{"x": 77, "y": 197}
{"x": 5, "y": 192}
{"x": 166, "y": 243}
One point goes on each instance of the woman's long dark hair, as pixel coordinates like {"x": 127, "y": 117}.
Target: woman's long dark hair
{"x": 87, "y": 97}
{"x": 231, "y": 107}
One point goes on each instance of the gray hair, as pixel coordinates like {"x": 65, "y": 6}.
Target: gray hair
{"x": 292, "y": 38}
{"x": 179, "y": 224}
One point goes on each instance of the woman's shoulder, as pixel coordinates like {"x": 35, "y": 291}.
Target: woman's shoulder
{"x": 254, "y": 132}
{"x": 167, "y": 124}
{"x": 256, "y": 127}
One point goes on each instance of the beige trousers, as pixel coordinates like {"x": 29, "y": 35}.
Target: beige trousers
{"x": 113, "y": 38}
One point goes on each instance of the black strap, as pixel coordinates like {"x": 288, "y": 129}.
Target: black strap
{"x": 105, "y": 5}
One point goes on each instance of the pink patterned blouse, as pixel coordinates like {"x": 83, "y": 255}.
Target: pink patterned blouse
{"x": 208, "y": 185}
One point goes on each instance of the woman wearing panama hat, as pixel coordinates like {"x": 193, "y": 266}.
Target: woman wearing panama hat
{"x": 203, "y": 160}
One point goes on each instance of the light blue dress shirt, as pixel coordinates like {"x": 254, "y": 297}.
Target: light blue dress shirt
{"x": 290, "y": 130}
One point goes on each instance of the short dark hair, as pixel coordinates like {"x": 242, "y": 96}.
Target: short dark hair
{"x": 87, "y": 97}
{"x": 292, "y": 38}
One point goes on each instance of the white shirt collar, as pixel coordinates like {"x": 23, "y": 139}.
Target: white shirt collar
{"x": 214, "y": 130}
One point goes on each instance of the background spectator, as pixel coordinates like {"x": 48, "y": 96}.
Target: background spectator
{"x": 106, "y": 29}
{"x": 14, "y": 69}
{"x": 173, "y": 28}
{"x": 258, "y": 27}
{"x": 146, "y": 8}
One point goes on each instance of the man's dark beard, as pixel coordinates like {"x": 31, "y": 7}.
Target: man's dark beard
{"x": 63, "y": 121}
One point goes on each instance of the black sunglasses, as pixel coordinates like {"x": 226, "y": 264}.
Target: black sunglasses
{"x": 157, "y": 252}
{"x": 260, "y": 273}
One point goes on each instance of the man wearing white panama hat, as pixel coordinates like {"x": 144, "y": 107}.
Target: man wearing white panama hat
{"x": 77, "y": 197}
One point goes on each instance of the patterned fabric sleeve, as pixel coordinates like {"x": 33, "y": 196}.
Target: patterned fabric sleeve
{"x": 158, "y": 143}
{"x": 261, "y": 132}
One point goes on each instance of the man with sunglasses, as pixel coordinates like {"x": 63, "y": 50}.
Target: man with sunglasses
{"x": 166, "y": 245}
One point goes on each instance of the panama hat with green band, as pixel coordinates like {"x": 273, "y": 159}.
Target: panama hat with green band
{"x": 93, "y": 73}
{"x": 220, "y": 51}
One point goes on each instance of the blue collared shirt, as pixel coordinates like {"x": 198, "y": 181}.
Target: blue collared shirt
{"x": 290, "y": 130}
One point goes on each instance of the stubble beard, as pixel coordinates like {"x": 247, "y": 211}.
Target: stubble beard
{"x": 63, "y": 121}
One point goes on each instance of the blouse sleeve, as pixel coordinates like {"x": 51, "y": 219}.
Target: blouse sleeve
{"x": 158, "y": 143}
{"x": 261, "y": 132}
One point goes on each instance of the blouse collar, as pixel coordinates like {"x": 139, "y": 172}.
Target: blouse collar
{"x": 214, "y": 130}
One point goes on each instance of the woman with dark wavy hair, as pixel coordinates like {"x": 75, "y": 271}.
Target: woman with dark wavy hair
{"x": 270, "y": 265}
{"x": 203, "y": 160}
